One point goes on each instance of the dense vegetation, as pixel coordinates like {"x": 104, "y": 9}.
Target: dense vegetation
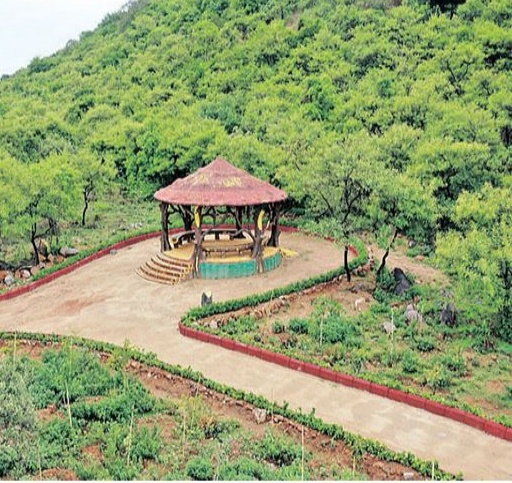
{"x": 377, "y": 116}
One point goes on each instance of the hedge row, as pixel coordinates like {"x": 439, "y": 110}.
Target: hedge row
{"x": 429, "y": 469}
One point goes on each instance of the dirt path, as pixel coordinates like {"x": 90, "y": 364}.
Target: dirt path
{"x": 106, "y": 300}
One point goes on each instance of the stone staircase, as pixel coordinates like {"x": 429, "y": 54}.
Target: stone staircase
{"x": 164, "y": 269}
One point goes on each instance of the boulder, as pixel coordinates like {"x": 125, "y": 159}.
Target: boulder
{"x": 449, "y": 315}
{"x": 25, "y": 274}
{"x": 402, "y": 282}
{"x": 412, "y": 315}
{"x": 389, "y": 327}
{"x": 9, "y": 279}
{"x": 206, "y": 298}
{"x": 260, "y": 415}
{"x": 42, "y": 249}
{"x": 68, "y": 252}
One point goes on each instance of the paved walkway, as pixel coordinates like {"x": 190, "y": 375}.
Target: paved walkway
{"x": 106, "y": 300}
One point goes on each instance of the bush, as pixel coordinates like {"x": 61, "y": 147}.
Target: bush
{"x": 437, "y": 378}
{"x": 298, "y": 326}
{"x": 426, "y": 344}
{"x": 330, "y": 325}
{"x": 244, "y": 469}
{"x": 200, "y": 469}
{"x": 456, "y": 364}
{"x": 410, "y": 362}
{"x": 278, "y": 327}
{"x": 279, "y": 450}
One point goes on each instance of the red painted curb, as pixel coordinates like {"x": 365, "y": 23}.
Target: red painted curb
{"x": 345, "y": 379}
{"x": 464, "y": 417}
{"x": 295, "y": 364}
{"x": 474, "y": 421}
{"x": 396, "y": 395}
{"x": 495, "y": 429}
{"x": 415, "y": 401}
{"x": 362, "y": 384}
{"x": 436, "y": 408}
{"x": 328, "y": 374}
{"x": 379, "y": 390}
{"x": 312, "y": 369}
{"x": 80, "y": 263}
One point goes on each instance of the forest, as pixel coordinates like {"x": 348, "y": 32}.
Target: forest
{"x": 389, "y": 117}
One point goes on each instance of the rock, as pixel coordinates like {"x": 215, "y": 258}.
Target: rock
{"x": 403, "y": 283}
{"x": 260, "y": 415}
{"x": 68, "y": 252}
{"x": 113, "y": 251}
{"x": 25, "y": 274}
{"x": 9, "y": 279}
{"x": 214, "y": 325}
{"x": 449, "y": 315}
{"x": 411, "y": 243}
{"x": 389, "y": 327}
{"x": 206, "y": 298}
{"x": 361, "y": 287}
{"x": 42, "y": 249}
{"x": 412, "y": 315}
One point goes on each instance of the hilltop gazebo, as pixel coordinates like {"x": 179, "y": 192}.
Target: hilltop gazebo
{"x": 217, "y": 193}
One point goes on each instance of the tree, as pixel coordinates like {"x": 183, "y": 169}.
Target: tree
{"x": 340, "y": 183}
{"x": 478, "y": 253}
{"x": 45, "y": 194}
{"x": 93, "y": 174}
{"x": 400, "y": 204}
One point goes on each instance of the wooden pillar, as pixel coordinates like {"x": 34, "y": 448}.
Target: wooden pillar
{"x": 257, "y": 251}
{"x": 165, "y": 245}
{"x": 239, "y": 218}
{"x": 274, "y": 235}
{"x": 198, "y": 241}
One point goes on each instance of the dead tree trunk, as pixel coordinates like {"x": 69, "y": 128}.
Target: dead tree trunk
{"x": 386, "y": 254}
{"x": 345, "y": 263}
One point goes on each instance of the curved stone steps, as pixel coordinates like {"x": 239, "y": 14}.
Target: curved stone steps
{"x": 163, "y": 269}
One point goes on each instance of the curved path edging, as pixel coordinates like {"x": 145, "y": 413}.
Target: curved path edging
{"x": 478, "y": 422}
{"x": 79, "y": 263}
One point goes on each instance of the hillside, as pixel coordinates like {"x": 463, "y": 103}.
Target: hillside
{"x": 384, "y": 118}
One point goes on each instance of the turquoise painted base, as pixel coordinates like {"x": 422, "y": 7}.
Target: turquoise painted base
{"x": 244, "y": 268}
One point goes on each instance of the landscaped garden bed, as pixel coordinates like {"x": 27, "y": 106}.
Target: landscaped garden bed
{"x": 340, "y": 325}
{"x": 103, "y": 412}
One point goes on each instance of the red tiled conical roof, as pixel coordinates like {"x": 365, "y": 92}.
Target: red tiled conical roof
{"x": 220, "y": 184}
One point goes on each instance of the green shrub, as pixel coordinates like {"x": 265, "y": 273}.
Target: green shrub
{"x": 330, "y": 325}
{"x": 200, "y": 469}
{"x": 426, "y": 344}
{"x": 244, "y": 469}
{"x": 277, "y": 449}
{"x": 241, "y": 325}
{"x": 437, "y": 378}
{"x": 456, "y": 364}
{"x": 410, "y": 362}
{"x": 278, "y": 327}
{"x": 68, "y": 374}
{"x": 298, "y": 326}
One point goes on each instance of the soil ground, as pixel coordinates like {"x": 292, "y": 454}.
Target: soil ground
{"x": 106, "y": 300}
